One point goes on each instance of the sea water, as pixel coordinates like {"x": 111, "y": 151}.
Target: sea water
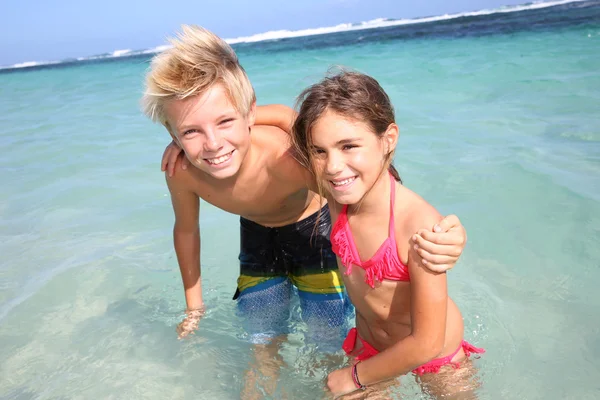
{"x": 499, "y": 118}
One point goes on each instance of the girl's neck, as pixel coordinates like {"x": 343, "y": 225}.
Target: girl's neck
{"x": 376, "y": 199}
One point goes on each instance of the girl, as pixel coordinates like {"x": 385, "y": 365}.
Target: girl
{"x": 346, "y": 135}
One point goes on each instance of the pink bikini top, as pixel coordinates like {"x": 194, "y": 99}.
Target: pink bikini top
{"x": 385, "y": 263}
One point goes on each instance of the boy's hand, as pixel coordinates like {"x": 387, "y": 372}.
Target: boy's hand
{"x": 190, "y": 322}
{"x": 170, "y": 156}
{"x": 441, "y": 248}
{"x": 340, "y": 382}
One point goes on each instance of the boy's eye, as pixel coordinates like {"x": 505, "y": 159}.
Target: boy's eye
{"x": 190, "y": 131}
{"x": 349, "y": 146}
{"x": 226, "y": 121}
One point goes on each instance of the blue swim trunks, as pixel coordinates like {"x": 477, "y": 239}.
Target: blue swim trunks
{"x": 273, "y": 261}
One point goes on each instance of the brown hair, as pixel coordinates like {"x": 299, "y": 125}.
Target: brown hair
{"x": 351, "y": 95}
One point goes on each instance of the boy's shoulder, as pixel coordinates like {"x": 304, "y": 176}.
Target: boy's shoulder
{"x": 182, "y": 180}
{"x": 187, "y": 185}
{"x": 278, "y": 157}
{"x": 274, "y": 145}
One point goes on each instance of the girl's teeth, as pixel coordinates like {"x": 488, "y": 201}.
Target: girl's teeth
{"x": 344, "y": 182}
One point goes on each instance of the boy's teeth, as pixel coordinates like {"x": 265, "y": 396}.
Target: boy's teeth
{"x": 219, "y": 160}
{"x": 344, "y": 182}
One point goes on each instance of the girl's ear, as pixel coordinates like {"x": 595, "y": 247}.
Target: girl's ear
{"x": 390, "y": 138}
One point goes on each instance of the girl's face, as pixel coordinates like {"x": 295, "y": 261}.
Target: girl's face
{"x": 347, "y": 156}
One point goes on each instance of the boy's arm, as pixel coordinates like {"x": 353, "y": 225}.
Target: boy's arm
{"x": 440, "y": 248}
{"x": 186, "y": 238}
{"x": 277, "y": 115}
{"x": 429, "y": 300}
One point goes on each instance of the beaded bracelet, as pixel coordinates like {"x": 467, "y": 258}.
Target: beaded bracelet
{"x": 355, "y": 378}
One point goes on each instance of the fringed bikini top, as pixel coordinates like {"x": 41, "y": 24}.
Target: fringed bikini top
{"x": 385, "y": 263}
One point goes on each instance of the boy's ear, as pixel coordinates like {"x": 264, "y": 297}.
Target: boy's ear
{"x": 391, "y": 137}
{"x": 252, "y": 114}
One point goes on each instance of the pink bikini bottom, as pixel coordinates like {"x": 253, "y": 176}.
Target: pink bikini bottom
{"x": 367, "y": 351}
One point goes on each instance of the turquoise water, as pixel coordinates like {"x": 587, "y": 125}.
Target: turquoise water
{"x": 501, "y": 129}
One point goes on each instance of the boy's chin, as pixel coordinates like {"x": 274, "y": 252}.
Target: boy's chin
{"x": 224, "y": 173}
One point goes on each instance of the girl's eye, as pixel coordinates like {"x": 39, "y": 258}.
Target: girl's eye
{"x": 348, "y": 146}
{"x": 318, "y": 151}
{"x": 226, "y": 121}
{"x": 190, "y": 131}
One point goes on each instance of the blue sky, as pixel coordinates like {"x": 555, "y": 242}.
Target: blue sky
{"x": 57, "y": 29}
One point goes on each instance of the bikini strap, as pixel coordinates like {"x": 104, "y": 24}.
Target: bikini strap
{"x": 344, "y": 211}
{"x": 392, "y": 200}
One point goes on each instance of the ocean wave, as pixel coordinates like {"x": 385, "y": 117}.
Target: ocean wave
{"x": 385, "y": 22}
{"x": 344, "y": 27}
{"x": 31, "y": 64}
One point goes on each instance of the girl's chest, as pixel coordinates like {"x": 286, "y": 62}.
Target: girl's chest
{"x": 388, "y": 300}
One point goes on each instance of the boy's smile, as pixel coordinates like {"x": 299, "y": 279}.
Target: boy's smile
{"x": 219, "y": 161}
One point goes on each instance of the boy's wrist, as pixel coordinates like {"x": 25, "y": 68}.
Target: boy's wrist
{"x": 196, "y": 307}
{"x": 198, "y": 304}
{"x": 193, "y": 297}
{"x": 195, "y": 313}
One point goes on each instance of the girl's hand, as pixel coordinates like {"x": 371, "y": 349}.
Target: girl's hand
{"x": 170, "y": 156}
{"x": 440, "y": 249}
{"x": 340, "y": 382}
{"x": 276, "y": 115}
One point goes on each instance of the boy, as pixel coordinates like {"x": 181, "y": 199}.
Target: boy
{"x": 201, "y": 94}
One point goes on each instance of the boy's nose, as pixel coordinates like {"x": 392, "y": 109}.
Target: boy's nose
{"x": 212, "y": 143}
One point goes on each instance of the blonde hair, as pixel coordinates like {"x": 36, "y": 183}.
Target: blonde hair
{"x": 198, "y": 60}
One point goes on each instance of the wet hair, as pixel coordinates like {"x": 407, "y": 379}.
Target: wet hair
{"x": 351, "y": 95}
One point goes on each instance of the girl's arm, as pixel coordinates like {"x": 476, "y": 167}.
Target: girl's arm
{"x": 429, "y": 301}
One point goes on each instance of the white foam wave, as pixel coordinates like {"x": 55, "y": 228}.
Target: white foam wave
{"x": 121, "y": 53}
{"x": 26, "y": 64}
{"x": 156, "y": 49}
{"x": 29, "y": 64}
{"x": 114, "y": 54}
{"x": 346, "y": 27}
{"x": 383, "y": 22}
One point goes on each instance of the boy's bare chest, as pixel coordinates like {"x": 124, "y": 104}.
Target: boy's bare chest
{"x": 260, "y": 197}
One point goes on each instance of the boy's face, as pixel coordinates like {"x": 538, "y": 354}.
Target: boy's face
{"x": 213, "y": 134}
